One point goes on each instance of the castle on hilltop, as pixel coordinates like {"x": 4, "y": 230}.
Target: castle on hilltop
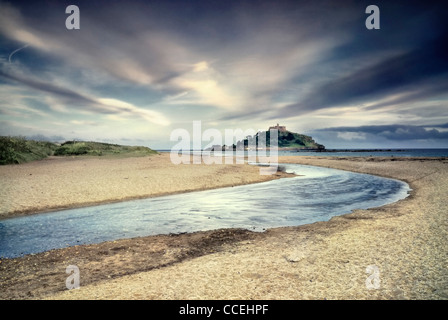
{"x": 278, "y": 127}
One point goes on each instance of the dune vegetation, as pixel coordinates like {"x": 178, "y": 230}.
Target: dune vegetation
{"x": 18, "y": 149}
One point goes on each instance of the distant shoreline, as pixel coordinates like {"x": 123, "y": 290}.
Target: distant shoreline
{"x": 377, "y": 152}
{"x": 333, "y": 150}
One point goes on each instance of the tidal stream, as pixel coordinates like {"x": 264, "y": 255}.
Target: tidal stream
{"x": 317, "y": 194}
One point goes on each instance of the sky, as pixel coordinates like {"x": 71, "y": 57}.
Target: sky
{"x": 135, "y": 71}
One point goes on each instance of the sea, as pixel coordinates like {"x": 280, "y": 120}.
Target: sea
{"x": 439, "y": 153}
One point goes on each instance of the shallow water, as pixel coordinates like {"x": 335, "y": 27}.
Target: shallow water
{"x": 316, "y": 195}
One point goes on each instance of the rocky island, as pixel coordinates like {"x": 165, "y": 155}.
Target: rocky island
{"x": 287, "y": 141}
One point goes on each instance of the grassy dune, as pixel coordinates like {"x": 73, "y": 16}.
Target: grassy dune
{"x": 16, "y": 150}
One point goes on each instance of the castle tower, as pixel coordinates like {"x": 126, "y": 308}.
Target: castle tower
{"x": 279, "y": 128}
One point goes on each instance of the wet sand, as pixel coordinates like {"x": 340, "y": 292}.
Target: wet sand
{"x": 404, "y": 241}
{"x": 67, "y": 182}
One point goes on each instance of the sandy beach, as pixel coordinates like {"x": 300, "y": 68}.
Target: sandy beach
{"x": 66, "y": 182}
{"x": 405, "y": 242}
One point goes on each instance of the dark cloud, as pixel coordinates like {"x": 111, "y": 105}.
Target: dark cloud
{"x": 438, "y": 86}
{"x": 421, "y": 69}
{"x": 48, "y": 88}
{"x": 396, "y": 132}
{"x": 443, "y": 125}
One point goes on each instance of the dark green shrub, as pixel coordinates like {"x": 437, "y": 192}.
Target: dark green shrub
{"x": 72, "y": 149}
{"x": 10, "y": 149}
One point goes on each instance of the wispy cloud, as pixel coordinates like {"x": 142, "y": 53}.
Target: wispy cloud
{"x": 15, "y": 51}
{"x": 417, "y": 71}
{"x": 65, "y": 93}
{"x": 229, "y": 63}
